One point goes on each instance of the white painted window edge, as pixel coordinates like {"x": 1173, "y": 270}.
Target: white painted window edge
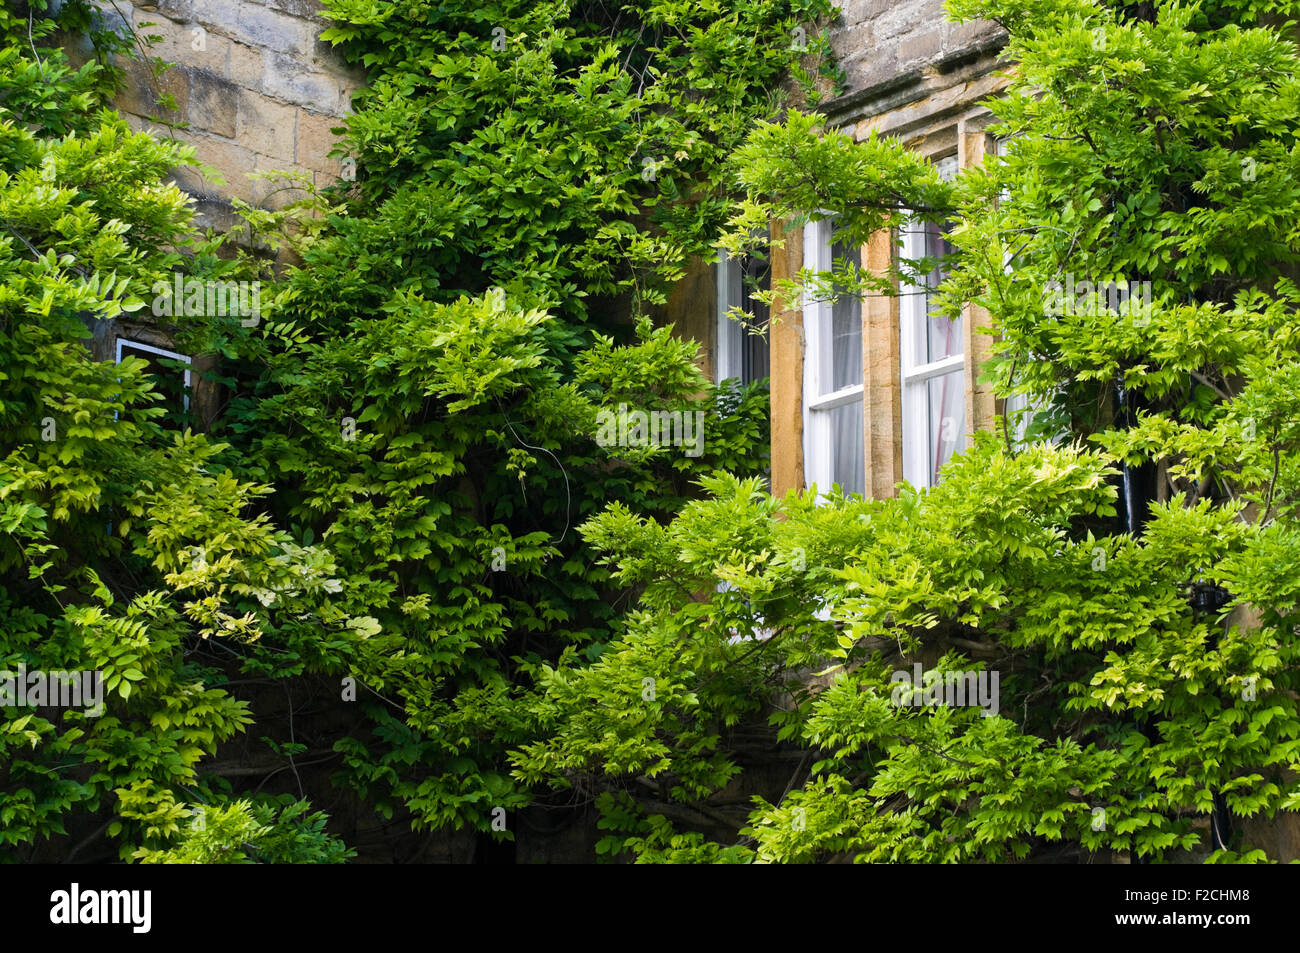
{"x": 730, "y": 334}
{"x": 818, "y": 453}
{"x": 150, "y": 349}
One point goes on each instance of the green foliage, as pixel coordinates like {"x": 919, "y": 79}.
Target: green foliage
{"x": 407, "y": 489}
{"x": 561, "y": 151}
{"x": 428, "y": 404}
{"x": 102, "y": 508}
{"x": 272, "y": 830}
{"x": 389, "y": 498}
{"x": 1150, "y": 143}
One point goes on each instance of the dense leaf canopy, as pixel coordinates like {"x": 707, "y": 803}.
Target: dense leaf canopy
{"x": 400, "y": 563}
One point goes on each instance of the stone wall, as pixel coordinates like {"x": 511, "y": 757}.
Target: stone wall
{"x": 879, "y": 42}
{"x": 259, "y": 91}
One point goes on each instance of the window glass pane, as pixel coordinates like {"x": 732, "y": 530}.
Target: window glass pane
{"x": 848, "y": 452}
{"x": 846, "y": 332}
{"x": 937, "y": 336}
{"x": 1019, "y": 416}
{"x": 940, "y": 342}
{"x": 1023, "y": 412}
{"x": 947, "y": 404}
{"x": 756, "y": 275}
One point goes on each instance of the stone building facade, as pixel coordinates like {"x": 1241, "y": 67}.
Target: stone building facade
{"x": 916, "y": 76}
{"x": 912, "y": 74}
{"x": 258, "y": 89}
{"x": 260, "y": 92}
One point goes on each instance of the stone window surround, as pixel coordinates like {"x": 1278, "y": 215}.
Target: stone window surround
{"x": 964, "y": 134}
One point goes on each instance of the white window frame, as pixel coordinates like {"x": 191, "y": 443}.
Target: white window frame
{"x": 730, "y": 333}
{"x": 915, "y": 376}
{"x": 150, "y": 349}
{"x": 818, "y": 447}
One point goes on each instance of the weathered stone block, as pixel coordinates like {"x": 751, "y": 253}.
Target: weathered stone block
{"x": 214, "y": 103}
{"x": 901, "y": 20}
{"x": 329, "y": 60}
{"x": 872, "y": 68}
{"x": 259, "y": 26}
{"x": 216, "y": 214}
{"x": 275, "y": 193}
{"x": 315, "y": 140}
{"x": 284, "y": 77}
{"x": 266, "y": 127}
{"x": 144, "y": 92}
{"x": 244, "y": 65}
{"x": 958, "y": 36}
{"x": 113, "y": 18}
{"x": 243, "y": 83}
{"x": 231, "y": 161}
{"x": 221, "y": 16}
{"x": 920, "y": 46}
{"x": 304, "y": 9}
{"x": 180, "y": 42}
{"x": 323, "y": 179}
{"x": 182, "y": 10}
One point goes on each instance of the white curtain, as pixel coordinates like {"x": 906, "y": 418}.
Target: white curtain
{"x": 848, "y": 449}
{"x": 846, "y": 333}
{"x": 947, "y": 420}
